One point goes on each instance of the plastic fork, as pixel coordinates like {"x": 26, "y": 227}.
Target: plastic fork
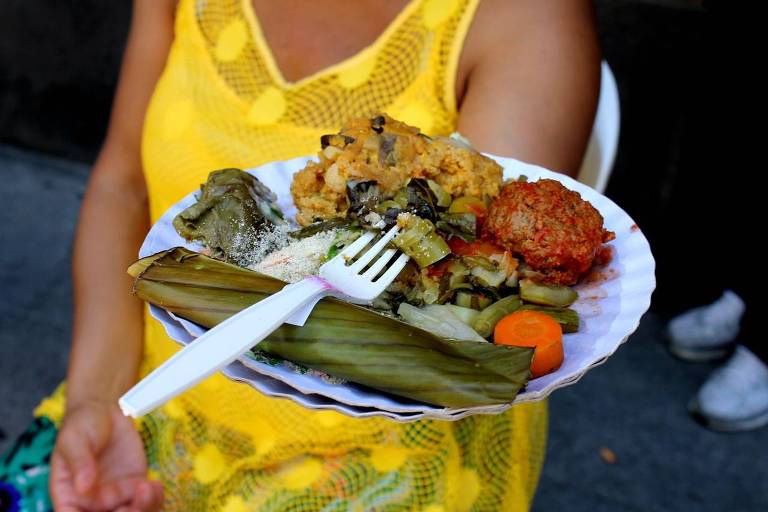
{"x": 350, "y": 278}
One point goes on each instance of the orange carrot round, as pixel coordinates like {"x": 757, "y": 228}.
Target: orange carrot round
{"x": 537, "y": 330}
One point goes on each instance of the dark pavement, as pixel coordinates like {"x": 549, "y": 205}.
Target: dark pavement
{"x": 633, "y": 406}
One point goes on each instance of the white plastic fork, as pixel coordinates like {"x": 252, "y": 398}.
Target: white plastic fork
{"x": 227, "y": 341}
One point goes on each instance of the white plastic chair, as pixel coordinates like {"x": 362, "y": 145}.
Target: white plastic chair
{"x": 601, "y": 150}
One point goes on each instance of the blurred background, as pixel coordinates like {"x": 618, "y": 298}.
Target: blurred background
{"x": 619, "y": 440}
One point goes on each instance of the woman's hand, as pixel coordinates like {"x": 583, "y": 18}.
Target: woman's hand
{"x": 98, "y": 463}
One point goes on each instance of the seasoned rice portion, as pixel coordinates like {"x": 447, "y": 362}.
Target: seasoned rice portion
{"x": 388, "y": 152}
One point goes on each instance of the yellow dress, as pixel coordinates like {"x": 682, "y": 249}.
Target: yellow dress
{"x": 222, "y": 102}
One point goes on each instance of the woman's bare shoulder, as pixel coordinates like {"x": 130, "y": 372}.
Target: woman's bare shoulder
{"x": 519, "y": 27}
{"x": 528, "y": 80}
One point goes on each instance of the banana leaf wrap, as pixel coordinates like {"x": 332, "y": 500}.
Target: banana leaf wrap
{"x": 341, "y": 339}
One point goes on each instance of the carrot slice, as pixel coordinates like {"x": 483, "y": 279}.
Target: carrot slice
{"x": 533, "y": 329}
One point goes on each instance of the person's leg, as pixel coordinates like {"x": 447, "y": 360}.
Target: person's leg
{"x": 695, "y": 268}
{"x": 735, "y": 396}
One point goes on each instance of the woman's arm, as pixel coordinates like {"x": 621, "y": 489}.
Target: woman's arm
{"x": 530, "y": 79}
{"x": 98, "y": 462}
{"x": 107, "y": 331}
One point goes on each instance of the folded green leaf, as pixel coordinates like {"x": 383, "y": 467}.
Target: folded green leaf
{"x": 341, "y": 339}
{"x": 232, "y": 205}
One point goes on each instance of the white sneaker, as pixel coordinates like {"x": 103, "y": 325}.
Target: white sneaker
{"x": 735, "y": 396}
{"x": 706, "y": 333}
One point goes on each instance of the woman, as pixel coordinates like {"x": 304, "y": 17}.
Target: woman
{"x": 231, "y": 83}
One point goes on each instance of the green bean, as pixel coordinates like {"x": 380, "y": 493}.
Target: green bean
{"x": 547, "y": 295}
{"x": 488, "y": 318}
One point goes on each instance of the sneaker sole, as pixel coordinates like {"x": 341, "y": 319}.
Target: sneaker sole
{"x": 722, "y": 425}
{"x": 700, "y": 355}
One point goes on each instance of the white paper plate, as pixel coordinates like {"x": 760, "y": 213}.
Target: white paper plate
{"x": 610, "y": 309}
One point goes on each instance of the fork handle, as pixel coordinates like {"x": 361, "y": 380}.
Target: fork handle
{"x": 219, "y": 346}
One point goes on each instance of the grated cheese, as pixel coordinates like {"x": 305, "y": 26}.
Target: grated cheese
{"x": 298, "y": 259}
{"x": 250, "y": 245}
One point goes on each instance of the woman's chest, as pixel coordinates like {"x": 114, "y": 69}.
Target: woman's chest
{"x": 307, "y": 36}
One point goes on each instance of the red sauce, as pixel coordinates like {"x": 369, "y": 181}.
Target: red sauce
{"x": 600, "y": 275}
{"x": 604, "y": 256}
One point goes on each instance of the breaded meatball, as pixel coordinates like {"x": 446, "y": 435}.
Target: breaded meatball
{"x": 555, "y": 231}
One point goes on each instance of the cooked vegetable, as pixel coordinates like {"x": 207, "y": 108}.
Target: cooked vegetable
{"x": 472, "y": 300}
{"x": 547, "y": 295}
{"x": 566, "y": 317}
{"x": 489, "y": 278}
{"x": 435, "y": 320}
{"x": 431, "y": 289}
{"x": 419, "y": 240}
{"x": 464, "y": 300}
{"x": 469, "y": 204}
{"x": 483, "y": 248}
{"x": 401, "y": 197}
{"x": 462, "y": 225}
{"x": 232, "y": 205}
{"x": 320, "y": 226}
{"x": 505, "y": 262}
{"x": 421, "y": 199}
{"x": 488, "y": 318}
{"x": 364, "y": 197}
{"x": 387, "y": 153}
{"x": 533, "y": 329}
{"x": 339, "y": 338}
{"x": 466, "y": 315}
{"x": 478, "y": 261}
{"x": 389, "y": 204}
{"x": 458, "y": 275}
{"x": 343, "y": 238}
{"x": 331, "y": 152}
{"x": 336, "y": 140}
{"x": 442, "y": 198}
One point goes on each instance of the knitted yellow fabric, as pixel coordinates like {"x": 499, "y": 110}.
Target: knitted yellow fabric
{"x": 222, "y": 102}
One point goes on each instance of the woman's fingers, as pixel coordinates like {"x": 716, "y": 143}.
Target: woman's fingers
{"x": 135, "y": 493}
{"x": 83, "y": 435}
{"x": 62, "y": 488}
{"x": 75, "y": 450}
{"x": 112, "y": 495}
{"x": 149, "y": 496}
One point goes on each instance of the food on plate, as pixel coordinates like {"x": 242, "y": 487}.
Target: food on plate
{"x": 232, "y": 205}
{"x": 355, "y": 343}
{"x": 533, "y": 329}
{"x": 489, "y": 261}
{"x": 566, "y": 317}
{"x": 547, "y": 295}
{"x": 388, "y": 152}
{"x": 556, "y": 232}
